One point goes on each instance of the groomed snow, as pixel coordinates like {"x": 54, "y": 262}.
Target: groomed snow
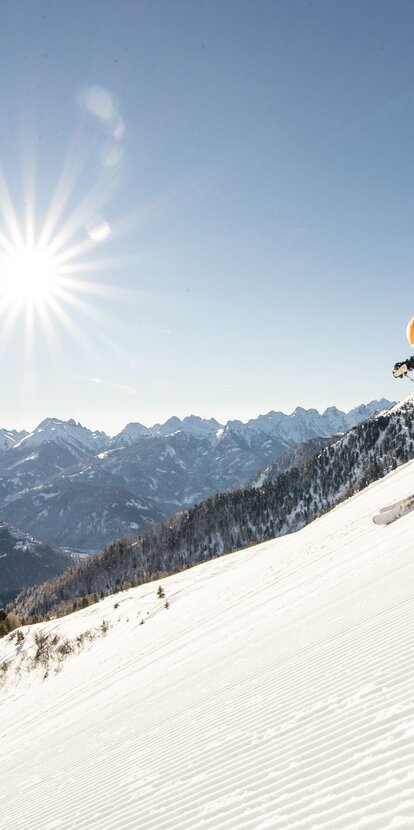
{"x": 275, "y": 692}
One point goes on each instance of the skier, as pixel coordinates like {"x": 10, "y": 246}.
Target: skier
{"x": 401, "y": 369}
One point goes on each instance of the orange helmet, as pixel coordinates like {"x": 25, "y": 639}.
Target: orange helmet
{"x": 410, "y": 332}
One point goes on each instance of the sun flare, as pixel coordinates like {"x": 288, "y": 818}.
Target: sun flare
{"x": 56, "y": 274}
{"x": 46, "y": 265}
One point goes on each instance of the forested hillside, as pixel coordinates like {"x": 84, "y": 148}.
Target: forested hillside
{"x": 292, "y": 458}
{"x": 231, "y": 521}
{"x": 26, "y": 561}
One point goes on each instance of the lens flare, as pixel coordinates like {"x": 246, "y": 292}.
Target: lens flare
{"x": 99, "y": 230}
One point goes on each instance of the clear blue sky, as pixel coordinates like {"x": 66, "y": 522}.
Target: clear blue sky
{"x": 251, "y": 166}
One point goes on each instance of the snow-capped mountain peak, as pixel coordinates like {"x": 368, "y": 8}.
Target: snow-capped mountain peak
{"x": 170, "y": 426}
{"x": 129, "y": 434}
{"x": 191, "y": 424}
{"x": 364, "y": 411}
{"x": 68, "y": 433}
{"x": 200, "y": 426}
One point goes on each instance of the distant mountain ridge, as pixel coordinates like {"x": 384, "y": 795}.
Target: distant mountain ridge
{"x": 82, "y": 489}
{"x": 331, "y": 420}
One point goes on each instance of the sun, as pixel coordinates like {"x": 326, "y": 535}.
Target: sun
{"x": 28, "y": 276}
{"x": 46, "y": 267}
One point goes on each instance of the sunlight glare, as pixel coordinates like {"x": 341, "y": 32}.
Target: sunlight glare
{"x": 47, "y": 259}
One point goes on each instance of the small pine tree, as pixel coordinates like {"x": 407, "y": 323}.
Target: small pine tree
{"x": 12, "y": 621}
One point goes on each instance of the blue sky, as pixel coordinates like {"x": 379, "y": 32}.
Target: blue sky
{"x": 251, "y": 164}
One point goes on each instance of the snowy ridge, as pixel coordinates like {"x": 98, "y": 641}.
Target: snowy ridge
{"x": 300, "y": 425}
{"x": 192, "y": 424}
{"x": 10, "y": 437}
{"x": 303, "y": 424}
{"x": 68, "y": 433}
{"x": 275, "y": 693}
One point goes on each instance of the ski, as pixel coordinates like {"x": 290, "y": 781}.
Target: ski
{"x": 396, "y": 504}
{"x": 394, "y": 511}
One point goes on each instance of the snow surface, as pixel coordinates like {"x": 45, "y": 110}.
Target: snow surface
{"x": 275, "y": 693}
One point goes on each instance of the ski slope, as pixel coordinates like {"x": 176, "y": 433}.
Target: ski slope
{"x": 275, "y": 692}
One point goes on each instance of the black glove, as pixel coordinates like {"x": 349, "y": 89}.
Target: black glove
{"x": 400, "y": 369}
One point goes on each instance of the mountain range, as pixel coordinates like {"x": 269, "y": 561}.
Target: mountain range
{"x": 82, "y": 489}
{"x": 230, "y": 521}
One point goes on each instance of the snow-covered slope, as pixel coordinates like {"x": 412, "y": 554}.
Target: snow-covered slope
{"x": 274, "y": 693}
